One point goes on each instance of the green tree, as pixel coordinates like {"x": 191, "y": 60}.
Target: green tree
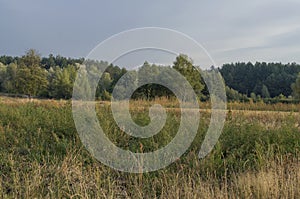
{"x": 184, "y": 65}
{"x": 253, "y": 96}
{"x": 104, "y": 85}
{"x": 265, "y": 92}
{"x": 147, "y": 72}
{"x": 247, "y": 78}
{"x": 31, "y": 79}
{"x": 2, "y": 76}
{"x": 31, "y": 59}
{"x": 296, "y": 88}
{"x": 82, "y": 85}
{"x": 62, "y": 82}
{"x": 9, "y": 83}
{"x": 49, "y": 62}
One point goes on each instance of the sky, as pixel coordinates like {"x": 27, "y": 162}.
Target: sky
{"x": 230, "y": 30}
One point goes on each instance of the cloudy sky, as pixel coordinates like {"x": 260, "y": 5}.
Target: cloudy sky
{"x": 232, "y": 30}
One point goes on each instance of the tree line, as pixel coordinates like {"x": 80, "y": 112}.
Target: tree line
{"x": 54, "y": 76}
{"x": 265, "y": 80}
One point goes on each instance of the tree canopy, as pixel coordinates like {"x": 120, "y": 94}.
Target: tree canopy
{"x": 54, "y": 76}
{"x": 247, "y": 78}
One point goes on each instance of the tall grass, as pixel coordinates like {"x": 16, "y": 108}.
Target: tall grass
{"x": 41, "y": 156}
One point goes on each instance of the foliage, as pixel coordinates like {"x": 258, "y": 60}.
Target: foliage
{"x": 265, "y": 92}
{"x": 296, "y": 88}
{"x": 54, "y": 76}
{"x": 30, "y": 78}
{"x": 233, "y": 95}
{"x": 247, "y": 77}
{"x": 185, "y": 66}
{"x": 61, "y": 83}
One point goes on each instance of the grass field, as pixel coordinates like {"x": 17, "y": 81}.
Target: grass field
{"x": 41, "y": 155}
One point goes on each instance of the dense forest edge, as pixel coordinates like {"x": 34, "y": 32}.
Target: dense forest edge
{"x": 53, "y": 77}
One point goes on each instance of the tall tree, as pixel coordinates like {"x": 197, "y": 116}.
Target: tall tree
{"x": 296, "y": 88}
{"x": 2, "y": 76}
{"x": 31, "y": 59}
{"x": 9, "y": 83}
{"x": 31, "y": 79}
{"x": 265, "y": 92}
{"x": 184, "y": 65}
{"x": 62, "y": 82}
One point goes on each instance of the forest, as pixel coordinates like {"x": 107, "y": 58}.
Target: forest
{"x": 53, "y": 77}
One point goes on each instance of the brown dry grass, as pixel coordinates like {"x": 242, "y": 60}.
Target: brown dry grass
{"x": 72, "y": 176}
{"x": 71, "y": 179}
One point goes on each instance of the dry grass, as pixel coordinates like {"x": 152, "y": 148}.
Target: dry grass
{"x": 41, "y": 102}
{"x": 278, "y": 181}
{"x": 71, "y": 179}
{"x": 42, "y": 157}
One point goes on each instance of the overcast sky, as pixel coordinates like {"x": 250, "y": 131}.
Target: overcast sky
{"x": 231, "y": 31}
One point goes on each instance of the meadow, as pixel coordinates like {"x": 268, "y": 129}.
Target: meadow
{"x": 41, "y": 155}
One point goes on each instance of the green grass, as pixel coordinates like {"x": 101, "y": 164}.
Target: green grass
{"x": 41, "y": 156}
